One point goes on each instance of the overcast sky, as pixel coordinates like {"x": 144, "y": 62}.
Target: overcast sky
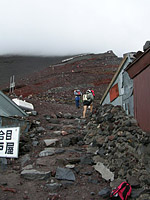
{"x": 62, "y": 27}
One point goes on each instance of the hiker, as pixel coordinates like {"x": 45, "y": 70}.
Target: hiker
{"x": 77, "y": 94}
{"x": 87, "y": 101}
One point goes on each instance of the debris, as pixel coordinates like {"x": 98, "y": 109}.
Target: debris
{"x": 23, "y": 104}
{"x": 106, "y": 173}
{"x": 8, "y": 189}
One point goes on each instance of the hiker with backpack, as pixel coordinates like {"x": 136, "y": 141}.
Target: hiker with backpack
{"x": 77, "y": 94}
{"x": 88, "y": 99}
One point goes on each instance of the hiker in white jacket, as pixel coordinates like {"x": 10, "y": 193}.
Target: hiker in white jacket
{"x": 87, "y": 101}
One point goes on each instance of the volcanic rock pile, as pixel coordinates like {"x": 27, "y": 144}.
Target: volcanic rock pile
{"x": 120, "y": 145}
{"x": 115, "y": 140}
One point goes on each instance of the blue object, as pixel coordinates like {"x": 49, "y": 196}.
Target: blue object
{"x": 77, "y": 99}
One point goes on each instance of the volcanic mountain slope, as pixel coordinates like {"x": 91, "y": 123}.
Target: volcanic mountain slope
{"x": 83, "y": 72}
{"x": 51, "y": 93}
{"x": 21, "y": 66}
{"x": 60, "y": 154}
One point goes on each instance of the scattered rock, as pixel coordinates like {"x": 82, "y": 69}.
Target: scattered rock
{"x": 64, "y": 174}
{"x": 47, "y": 152}
{"x": 104, "y": 171}
{"x": 34, "y": 174}
{"x": 51, "y": 142}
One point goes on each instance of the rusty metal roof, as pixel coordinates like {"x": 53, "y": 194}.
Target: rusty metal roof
{"x": 139, "y": 64}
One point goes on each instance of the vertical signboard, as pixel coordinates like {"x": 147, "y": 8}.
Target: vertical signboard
{"x": 12, "y": 84}
{"x": 114, "y": 92}
{"x": 9, "y": 142}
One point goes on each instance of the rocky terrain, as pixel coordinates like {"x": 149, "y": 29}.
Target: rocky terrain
{"x": 65, "y": 157}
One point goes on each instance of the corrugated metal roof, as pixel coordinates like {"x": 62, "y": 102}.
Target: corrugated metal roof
{"x": 9, "y": 108}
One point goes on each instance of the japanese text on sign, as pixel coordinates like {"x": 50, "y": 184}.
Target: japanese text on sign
{"x": 9, "y": 142}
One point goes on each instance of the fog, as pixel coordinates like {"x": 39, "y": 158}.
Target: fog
{"x": 67, "y": 27}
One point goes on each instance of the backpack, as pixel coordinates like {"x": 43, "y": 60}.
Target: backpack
{"x": 77, "y": 92}
{"x": 93, "y": 92}
{"x": 122, "y": 192}
{"x": 90, "y": 96}
{"x": 85, "y": 97}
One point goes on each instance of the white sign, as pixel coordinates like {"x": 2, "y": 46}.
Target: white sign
{"x": 9, "y": 142}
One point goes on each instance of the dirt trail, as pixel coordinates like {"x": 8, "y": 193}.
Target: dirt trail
{"x": 69, "y": 153}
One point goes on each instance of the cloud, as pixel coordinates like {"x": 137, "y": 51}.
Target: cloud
{"x": 60, "y": 27}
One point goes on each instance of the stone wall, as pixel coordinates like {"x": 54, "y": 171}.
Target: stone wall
{"x": 120, "y": 145}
